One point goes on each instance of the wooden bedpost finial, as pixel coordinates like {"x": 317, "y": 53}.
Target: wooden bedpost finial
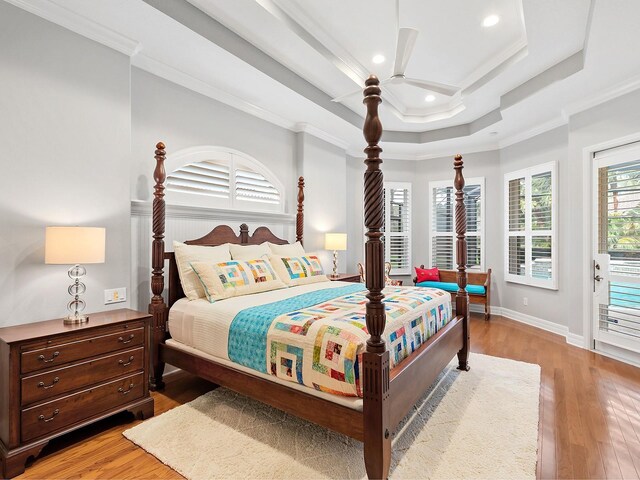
{"x": 300, "y": 214}
{"x": 462, "y": 297}
{"x": 374, "y": 218}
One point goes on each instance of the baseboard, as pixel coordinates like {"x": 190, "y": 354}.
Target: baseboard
{"x": 575, "y": 340}
{"x": 536, "y": 322}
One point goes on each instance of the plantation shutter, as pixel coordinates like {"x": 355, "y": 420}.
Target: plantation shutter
{"x": 397, "y": 237}
{"x": 203, "y": 178}
{"x": 443, "y": 236}
{"x": 530, "y": 226}
{"x": 253, "y": 187}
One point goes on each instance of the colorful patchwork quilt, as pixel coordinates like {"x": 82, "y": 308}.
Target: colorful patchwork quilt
{"x": 317, "y": 339}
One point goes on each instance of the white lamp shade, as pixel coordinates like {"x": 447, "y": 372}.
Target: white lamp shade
{"x": 335, "y": 241}
{"x": 71, "y": 245}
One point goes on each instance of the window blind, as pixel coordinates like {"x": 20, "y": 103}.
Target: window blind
{"x": 397, "y": 236}
{"x": 442, "y": 219}
{"x": 202, "y": 178}
{"x": 530, "y": 211}
{"x": 227, "y": 180}
{"x": 253, "y": 187}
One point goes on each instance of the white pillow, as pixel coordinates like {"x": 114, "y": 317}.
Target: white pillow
{"x": 287, "y": 250}
{"x": 298, "y": 270}
{"x": 186, "y": 254}
{"x": 236, "y": 277}
{"x": 248, "y": 252}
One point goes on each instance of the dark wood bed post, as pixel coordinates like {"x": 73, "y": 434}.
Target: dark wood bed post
{"x": 300, "y": 214}
{"x": 377, "y": 445}
{"x": 462, "y": 297}
{"x": 157, "y": 307}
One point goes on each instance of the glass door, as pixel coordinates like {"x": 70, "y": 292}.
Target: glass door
{"x": 616, "y": 264}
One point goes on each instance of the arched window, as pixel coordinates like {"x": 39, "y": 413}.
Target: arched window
{"x": 219, "y": 177}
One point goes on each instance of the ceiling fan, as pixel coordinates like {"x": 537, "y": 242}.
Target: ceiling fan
{"x": 406, "y": 41}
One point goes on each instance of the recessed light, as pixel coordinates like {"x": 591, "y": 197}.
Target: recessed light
{"x": 429, "y": 98}
{"x": 490, "y": 21}
{"x": 378, "y": 58}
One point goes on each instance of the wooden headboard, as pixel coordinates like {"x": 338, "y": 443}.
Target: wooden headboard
{"x": 220, "y": 235}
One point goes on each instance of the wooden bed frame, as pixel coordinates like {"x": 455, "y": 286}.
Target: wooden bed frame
{"x": 388, "y": 395}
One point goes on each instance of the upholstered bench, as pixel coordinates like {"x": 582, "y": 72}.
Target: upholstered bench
{"x": 478, "y": 288}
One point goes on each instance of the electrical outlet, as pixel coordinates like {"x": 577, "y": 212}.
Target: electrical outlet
{"x": 525, "y": 301}
{"x": 115, "y": 295}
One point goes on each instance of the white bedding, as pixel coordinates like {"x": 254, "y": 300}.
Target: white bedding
{"x": 205, "y": 326}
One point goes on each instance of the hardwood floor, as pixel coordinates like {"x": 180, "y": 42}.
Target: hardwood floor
{"x": 589, "y": 415}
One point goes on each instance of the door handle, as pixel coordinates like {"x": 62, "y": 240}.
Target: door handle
{"x": 597, "y": 278}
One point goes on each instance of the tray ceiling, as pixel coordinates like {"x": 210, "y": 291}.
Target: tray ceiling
{"x": 284, "y": 61}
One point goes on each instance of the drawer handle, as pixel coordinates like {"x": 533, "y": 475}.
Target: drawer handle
{"x": 42, "y": 417}
{"x": 123, "y": 391}
{"x": 122, "y": 340}
{"x": 47, "y": 387}
{"x": 45, "y": 360}
{"x": 121, "y": 362}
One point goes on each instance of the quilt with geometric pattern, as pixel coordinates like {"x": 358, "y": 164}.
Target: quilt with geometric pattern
{"x": 317, "y": 339}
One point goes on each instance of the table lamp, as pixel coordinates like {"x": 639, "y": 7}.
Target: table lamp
{"x": 75, "y": 246}
{"x": 335, "y": 242}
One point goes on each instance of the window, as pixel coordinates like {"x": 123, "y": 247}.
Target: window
{"x": 397, "y": 220}
{"x": 530, "y": 224}
{"x": 442, "y": 240}
{"x": 217, "y": 177}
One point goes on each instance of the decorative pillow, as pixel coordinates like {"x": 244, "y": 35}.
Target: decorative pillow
{"x": 185, "y": 254}
{"x": 236, "y": 277}
{"x": 428, "y": 274}
{"x": 299, "y": 270}
{"x": 249, "y": 252}
{"x": 287, "y": 250}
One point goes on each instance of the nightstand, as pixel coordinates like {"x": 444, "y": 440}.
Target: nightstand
{"x": 345, "y": 277}
{"x": 55, "y": 378}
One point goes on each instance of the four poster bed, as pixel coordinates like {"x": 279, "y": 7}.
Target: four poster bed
{"x": 388, "y": 394}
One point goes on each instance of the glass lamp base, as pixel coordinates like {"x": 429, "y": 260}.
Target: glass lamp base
{"x": 76, "y": 319}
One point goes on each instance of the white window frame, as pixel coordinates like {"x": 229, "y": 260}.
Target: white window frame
{"x": 387, "y": 221}
{"x": 233, "y": 159}
{"x": 432, "y": 234}
{"x": 527, "y": 233}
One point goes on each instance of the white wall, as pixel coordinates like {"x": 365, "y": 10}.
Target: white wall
{"x": 65, "y": 136}
{"x": 324, "y": 168}
{"x": 550, "y": 305}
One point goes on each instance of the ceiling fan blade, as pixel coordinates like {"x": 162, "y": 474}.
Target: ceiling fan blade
{"x": 347, "y": 95}
{"x": 436, "y": 87}
{"x": 406, "y": 41}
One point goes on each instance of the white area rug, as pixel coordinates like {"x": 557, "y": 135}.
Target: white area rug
{"x": 477, "y": 424}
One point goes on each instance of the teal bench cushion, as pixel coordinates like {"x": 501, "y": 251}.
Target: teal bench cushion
{"x": 453, "y": 287}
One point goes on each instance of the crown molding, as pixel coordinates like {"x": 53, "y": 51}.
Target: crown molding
{"x": 616, "y": 91}
{"x": 79, "y": 24}
{"x": 321, "y": 134}
{"x": 160, "y": 69}
{"x": 533, "y": 131}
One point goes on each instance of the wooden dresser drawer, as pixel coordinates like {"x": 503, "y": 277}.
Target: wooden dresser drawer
{"x": 59, "y": 354}
{"x": 65, "y": 379}
{"x": 46, "y": 418}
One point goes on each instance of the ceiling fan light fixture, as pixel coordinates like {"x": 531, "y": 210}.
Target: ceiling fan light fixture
{"x": 490, "y": 21}
{"x": 377, "y": 59}
{"x": 429, "y": 98}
